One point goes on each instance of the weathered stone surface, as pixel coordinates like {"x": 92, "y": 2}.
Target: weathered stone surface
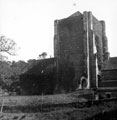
{"x": 69, "y": 44}
{"x": 74, "y": 41}
{"x": 80, "y": 51}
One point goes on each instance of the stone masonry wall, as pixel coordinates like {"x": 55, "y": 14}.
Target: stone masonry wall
{"x": 108, "y": 78}
{"x": 97, "y": 29}
{"x": 74, "y": 41}
{"x": 69, "y": 45}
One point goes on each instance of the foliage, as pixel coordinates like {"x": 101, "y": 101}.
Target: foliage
{"x": 31, "y": 63}
{"x": 43, "y": 78}
{"x": 39, "y": 80}
{"x": 43, "y": 55}
{"x": 19, "y": 67}
{"x": 9, "y": 75}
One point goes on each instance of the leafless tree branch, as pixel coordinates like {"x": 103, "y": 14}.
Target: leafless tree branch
{"x": 7, "y": 45}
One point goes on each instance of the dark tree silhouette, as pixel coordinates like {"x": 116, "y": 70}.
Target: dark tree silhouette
{"x": 43, "y": 55}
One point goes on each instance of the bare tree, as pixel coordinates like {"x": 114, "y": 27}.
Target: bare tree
{"x": 6, "y": 46}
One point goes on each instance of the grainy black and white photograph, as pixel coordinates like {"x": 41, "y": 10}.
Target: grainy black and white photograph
{"x": 58, "y": 60}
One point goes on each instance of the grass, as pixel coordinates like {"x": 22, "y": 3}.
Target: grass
{"x": 26, "y": 108}
{"x": 37, "y": 100}
{"x": 36, "y": 103}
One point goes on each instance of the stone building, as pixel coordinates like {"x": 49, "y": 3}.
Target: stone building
{"x": 81, "y": 40}
{"x": 109, "y": 75}
{"x": 81, "y": 57}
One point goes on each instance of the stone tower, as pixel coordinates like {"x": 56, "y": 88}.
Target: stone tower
{"x": 81, "y": 40}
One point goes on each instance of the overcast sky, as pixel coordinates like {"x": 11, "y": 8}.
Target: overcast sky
{"x": 31, "y": 22}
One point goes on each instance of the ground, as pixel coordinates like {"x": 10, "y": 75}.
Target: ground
{"x": 55, "y": 113}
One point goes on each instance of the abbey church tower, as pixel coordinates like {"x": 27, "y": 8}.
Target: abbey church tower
{"x": 81, "y": 40}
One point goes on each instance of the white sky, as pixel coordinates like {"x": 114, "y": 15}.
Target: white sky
{"x": 31, "y": 22}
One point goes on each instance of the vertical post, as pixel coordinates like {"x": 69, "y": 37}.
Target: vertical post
{"x": 104, "y": 42}
{"x": 56, "y": 51}
{"x": 90, "y": 44}
{"x": 86, "y": 47}
{"x": 42, "y": 102}
{"x": 92, "y": 54}
{"x": 2, "y": 106}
